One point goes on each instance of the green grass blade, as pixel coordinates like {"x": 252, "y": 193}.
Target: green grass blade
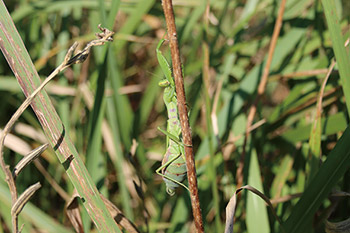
{"x": 329, "y": 125}
{"x": 257, "y": 219}
{"x": 122, "y": 104}
{"x": 327, "y": 177}
{"x": 149, "y": 97}
{"x": 124, "y": 112}
{"x": 179, "y": 217}
{"x": 17, "y": 56}
{"x": 119, "y": 160}
{"x": 95, "y": 160}
{"x": 341, "y": 54}
{"x": 134, "y": 19}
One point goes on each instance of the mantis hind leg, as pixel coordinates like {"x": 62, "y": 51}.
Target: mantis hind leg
{"x": 158, "y": 171}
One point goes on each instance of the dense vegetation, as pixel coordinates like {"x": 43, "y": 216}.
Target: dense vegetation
{"x": 111, "y": 106}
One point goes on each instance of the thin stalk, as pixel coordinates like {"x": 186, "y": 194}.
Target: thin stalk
{"x": 261, "y": 90}
{"x": 206, "y": 81}
{"x": 183, "y": 115}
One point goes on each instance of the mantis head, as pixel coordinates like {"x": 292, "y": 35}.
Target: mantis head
{"x": 164, "y": 83}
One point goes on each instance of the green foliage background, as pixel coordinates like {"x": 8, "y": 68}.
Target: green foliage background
{"x": 113, "y": 99}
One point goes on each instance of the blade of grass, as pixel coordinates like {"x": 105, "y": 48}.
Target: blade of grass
{"x": 134, "y": 19}
{"x": 95, "y": 157}
{"x": 179, "y": 217}
{"x": 261, "y": 88}
{"x": 281, "y": 177}
{"x": 316, "y": 132}
{"x": 23, "y": 68}
{"x": 329, "y": 125}
{"x": 63, "y": 38}
{"x": 326, "y": 178}
{"x": 121, "y": 102}
{"x": 149, "y": 97}
{"x": 257, "y": 219}
{"x": 232, "y": 207}
{"x": 208, "y": 109}
{"x": 116, "y": 130}
{"x": 33, "y": 214}
{"x": 95, "y": 162}
{"x": 234, "y": 101}
{"x": 38, "y": 7}
{"x": 341, "y": 54}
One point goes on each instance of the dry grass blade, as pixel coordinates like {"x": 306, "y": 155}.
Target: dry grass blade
{"x": 230, "y": 212}
{"x": 28, "y": 159}
{"x": 231, "y": 207}
{"x": 24, "y": 198}
{"x": 16, "y": 144}
{"x": 119, "y": 217}
{"x": 20, "y": 203}
{"x": 340, "y": 194}
{"x": 338, "y": 227}
{"x": 73, "y": 213}
{"x": 285, "y": 198}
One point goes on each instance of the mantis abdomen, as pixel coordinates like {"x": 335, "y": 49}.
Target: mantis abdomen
{"x": 176, "y": 170}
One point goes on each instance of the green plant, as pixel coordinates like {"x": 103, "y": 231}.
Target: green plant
{"x": 110, "y": 106}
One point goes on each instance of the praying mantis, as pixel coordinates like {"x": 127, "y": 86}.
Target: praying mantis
{"x": 173, "y": 168}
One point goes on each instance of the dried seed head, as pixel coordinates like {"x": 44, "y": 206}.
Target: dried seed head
{"x": 105, "y": 34}
{"x": 103, "y": 37}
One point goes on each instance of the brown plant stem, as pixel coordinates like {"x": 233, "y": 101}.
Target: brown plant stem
{"x": 297, "y": 74}
{"x": 261, "y": 90}
{"x": 183, "y": 115}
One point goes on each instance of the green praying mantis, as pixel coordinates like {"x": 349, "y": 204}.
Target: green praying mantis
{"x": 173, "y": 168}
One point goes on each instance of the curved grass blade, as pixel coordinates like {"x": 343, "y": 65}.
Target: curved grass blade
{"x": 330, "y": 172}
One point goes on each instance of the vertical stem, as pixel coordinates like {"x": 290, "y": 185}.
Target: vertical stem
{"x": 181, "y": 101}
{"x": 261, "y": 90}
{"x": 208, "y": 110}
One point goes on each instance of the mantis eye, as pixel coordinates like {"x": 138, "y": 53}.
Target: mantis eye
{"x": 164, "y": 83}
